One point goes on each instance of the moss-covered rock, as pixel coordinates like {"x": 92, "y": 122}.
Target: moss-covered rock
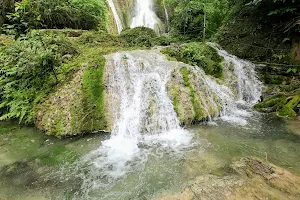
{"x": 198, "y": 54}
{"x": 285, "y": 104}
{"x": 189, "y": 97}
{"x": 289, "y": 109}
{"x": 76, "y": 106}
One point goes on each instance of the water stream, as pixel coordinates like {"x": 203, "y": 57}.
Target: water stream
{"x": 148, "y": 153}
{"x": 116, "y": 16}
{"x": 144, "y": 117}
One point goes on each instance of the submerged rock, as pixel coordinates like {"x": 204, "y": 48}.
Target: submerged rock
{"x": 253, "y": 179}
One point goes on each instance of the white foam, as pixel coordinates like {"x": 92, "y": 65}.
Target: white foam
{"x": 144, "y": 15}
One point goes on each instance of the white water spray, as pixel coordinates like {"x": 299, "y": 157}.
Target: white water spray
{"x": 145, "y": 16}
{"x": 144, "y": 117}
{"x": 240, "y": 76}
{"x": 116, "y": 16}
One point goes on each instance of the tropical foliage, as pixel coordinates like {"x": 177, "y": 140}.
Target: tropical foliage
{"x": 188, "y": 16}
{"x": 28, "y": 70}
{"x": 37, "y": 14}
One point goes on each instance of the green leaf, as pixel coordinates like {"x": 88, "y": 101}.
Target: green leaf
{"x": 286, "y": 39}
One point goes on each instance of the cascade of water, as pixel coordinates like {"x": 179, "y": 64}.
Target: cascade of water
{"x": 145, "y": 16}
{"x": 144, "y": 116}
{"x": 116, "y": 16}
{"x": 241, "y": 78}
{"x": 167, "y": 17}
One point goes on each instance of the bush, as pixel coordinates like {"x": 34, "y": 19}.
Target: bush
{"x": 28, "y": 71}
{"x": 198, "y": 54}
{"x": 77, "y": 14}
{"x": 161, "y": 41}
{"x": 138, "y": 37}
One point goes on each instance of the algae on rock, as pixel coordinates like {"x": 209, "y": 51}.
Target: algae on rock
{"x": 76, "y": 106}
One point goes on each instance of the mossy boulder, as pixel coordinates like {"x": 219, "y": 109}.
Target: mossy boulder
{"x": 283, "y": 104}
{"x": 289, "y": 109}
{"x": 198, "y": 54}
{"x": 189, "y": 96}
{"x": 76, "y": 106}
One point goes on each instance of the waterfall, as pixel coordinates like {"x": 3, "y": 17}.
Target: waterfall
{"x": 241, "y": 78}
{"x": 144, "y": 117}
{"x": 145, "y": 16}
{"x": 116, "y": 16}
{"x": 167, "y": 17}
{"x": 248, "y": 86}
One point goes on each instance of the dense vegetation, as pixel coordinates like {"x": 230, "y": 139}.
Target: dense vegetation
{"x": 188, "y": 16}
{"x": 29, "y": 69}
{"x": 34, "y": 65}
{"x": 38, "y": 14}
{"x": 38, "y": 61}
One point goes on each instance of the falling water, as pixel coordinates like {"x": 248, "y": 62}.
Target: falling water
{"x": 144, "y": 117}
{"x": 240, "y": 76}
{"x": 167, "y": 17}
{"x": 248, "y": 86}
{"x": 116, "y": 16}
{"x": 145, "y": 16}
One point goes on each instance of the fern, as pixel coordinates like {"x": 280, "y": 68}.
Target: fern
{"x": 28, "y": 72}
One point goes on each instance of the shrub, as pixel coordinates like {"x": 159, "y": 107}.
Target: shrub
{"x": 161, "y": 41}
{"x": 28, "y": 71}
{"x": 140, "y": 36}
{"x": 198, "y": 54}
{"x": 77, "y": 14}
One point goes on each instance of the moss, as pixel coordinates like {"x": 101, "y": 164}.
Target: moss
{"x": 276, "y": 79}
{"x": 273, "y": 103}
{"x": 151, "y": 108}
{"x": 288, "y": 109}
{"x": 195, "y": 103}
{"x": 176, "y": 100}
{"x": 93, "y": 96}
{"x": 59, "y": 127}
{"x": 281, "y": 103}
{"x": 198, "y": 54}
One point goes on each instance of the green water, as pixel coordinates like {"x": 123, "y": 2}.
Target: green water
{"x": 35, "y": 166}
